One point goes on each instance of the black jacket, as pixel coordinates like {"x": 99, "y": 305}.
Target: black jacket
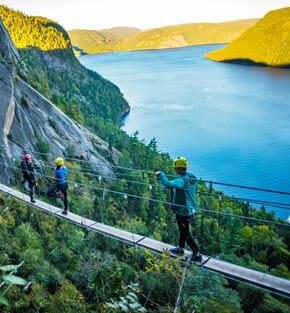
{"x": 27, "y": 170}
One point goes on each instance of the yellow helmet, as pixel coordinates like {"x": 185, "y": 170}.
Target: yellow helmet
{"x": 180, "y": 162}
{"x": 59, "y": 161}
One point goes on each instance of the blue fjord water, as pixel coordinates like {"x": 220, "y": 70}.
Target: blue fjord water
{"x": 231, "y": 121}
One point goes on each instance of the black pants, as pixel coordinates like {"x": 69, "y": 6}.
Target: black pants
{"x": 29, "y": 186}
{"x": 63, "y": 188}
{"x": 183, "y": 223}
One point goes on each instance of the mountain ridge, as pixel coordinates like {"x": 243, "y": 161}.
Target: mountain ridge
{"x": 171, "y": 36}
{"x": 91, "y": 41}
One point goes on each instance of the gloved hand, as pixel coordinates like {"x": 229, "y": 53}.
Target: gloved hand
{"x": 157, "y": 173}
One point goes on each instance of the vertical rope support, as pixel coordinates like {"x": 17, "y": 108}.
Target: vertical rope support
{"x": 202, "y": 226}
{"x": 219, "y": 223}
{"x": 178, "y": 299}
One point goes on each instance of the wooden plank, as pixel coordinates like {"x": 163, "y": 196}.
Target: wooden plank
{"x": 76, "y": 219}
{"x": 228, "y": 269}
{"x": 160, "y": 247}
{"x": 116, "y": 233}
{"x": 46, "y": 207}
{"x": 253, "y": 276}
{"x": 39, "y": 204}
{"x": 154, "y": 245}
{"x": 19, "y": 195}
{"x": 4, "y": 188}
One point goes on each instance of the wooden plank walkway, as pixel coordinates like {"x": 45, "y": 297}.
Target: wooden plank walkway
{"x": 266, "y": 281}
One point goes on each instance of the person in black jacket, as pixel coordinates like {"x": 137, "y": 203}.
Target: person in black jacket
{"x": 27, "y": 169}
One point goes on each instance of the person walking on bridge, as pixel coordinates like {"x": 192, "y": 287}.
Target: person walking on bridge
{"x": 61, "y": 184}
{"x": 27, "y": 169}
{"x": 184, "y": 204}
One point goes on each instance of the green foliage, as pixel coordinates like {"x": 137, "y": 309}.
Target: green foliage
{"x": 260, "y": 302}
{"x": 271, "y": 305}
{"x": 207, "y": 293}
{"x": 127, "y": 303}
{"x": 52, "y": 123}
{"x": 33, "y": 31}
{"x": 9, "y": 279}
{"x": 82, "y": 94}
{"x": 43, "y": 147}
{"x": 71, "y": 151}
{"x": 265, "y": 43}
{"x": 74, "y": 111}
{"x": 67, "y": 300}
{"x": 23, "y": 101}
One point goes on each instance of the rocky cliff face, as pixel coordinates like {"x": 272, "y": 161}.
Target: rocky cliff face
{"x": 26, "y": 115}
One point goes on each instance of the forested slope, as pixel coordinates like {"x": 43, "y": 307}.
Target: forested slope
{"x": 52, "y": 69}
{"x": 266, "y": 43}
{"x": 34, "y": 31}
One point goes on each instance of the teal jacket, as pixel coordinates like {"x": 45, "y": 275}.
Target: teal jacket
{"x": 184, "y": 190}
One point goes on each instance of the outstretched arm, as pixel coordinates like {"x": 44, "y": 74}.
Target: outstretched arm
{"x": 176, "y": 183}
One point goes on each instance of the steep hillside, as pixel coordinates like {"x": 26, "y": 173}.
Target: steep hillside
{"x": 93, "y": 41}
{"x": 34, "y": 31}
{"x": 266, "y": 43}
{"x": 29, "y": 120}
{"x": 160, "y": 38}
{"x": 82, "y": 94}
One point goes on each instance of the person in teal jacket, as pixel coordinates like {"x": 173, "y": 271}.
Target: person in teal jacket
{"x": 184, "y": 204}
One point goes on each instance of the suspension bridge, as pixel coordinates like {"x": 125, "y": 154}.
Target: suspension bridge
{"x": 258, "y": 279}
{"x": 234, "y": 272}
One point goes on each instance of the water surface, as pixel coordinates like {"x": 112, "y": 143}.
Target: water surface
{"x": 231, "y": 121}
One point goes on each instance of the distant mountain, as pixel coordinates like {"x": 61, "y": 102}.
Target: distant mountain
{"x": 268, "y": 42}
{"x": 93, "y": 41}
{"x": 124, "y": 39}
{"x": 186, "y": 35}
{"x": 121, "y": 33}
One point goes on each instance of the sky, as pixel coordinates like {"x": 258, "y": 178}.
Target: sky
{"x": 144, "y": 14}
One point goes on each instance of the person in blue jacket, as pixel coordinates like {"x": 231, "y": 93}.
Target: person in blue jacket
{"x": 184, "y": 204}
{"x": 61, "y": 183}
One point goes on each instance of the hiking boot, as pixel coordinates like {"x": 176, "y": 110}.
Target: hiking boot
{"x": 196, "y": 257}
{"x": 178, "y": 251}
{"x": 32, "y": 200}
{"x": 64, "y": 212}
